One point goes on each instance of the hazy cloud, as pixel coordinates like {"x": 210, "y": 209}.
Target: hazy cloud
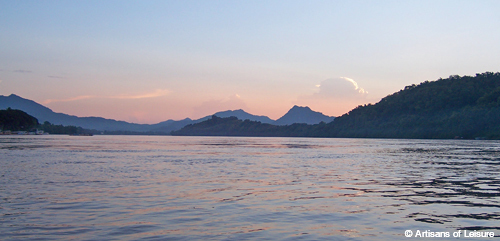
{"x": 23, "y": 71}
{"x": 335, "y": 96}
{"x": 82, "y": 97}
{"x": 232, "y": 102}
{"x": 156, "y": 93}
{"x": 55, "y": 77}
{"x": 342, "y": 87}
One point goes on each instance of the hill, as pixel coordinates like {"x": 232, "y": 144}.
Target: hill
{"x": 463, "y": 107}
{"x": 455, "y": 107}
{"x": 242, "y": 115}
{"x": 239, "y": 123}
{"x": 298, "y": 114}
{"x": 42, "y": 113}
{"x": 16, "y": 120}
{"x": 232, "y": 126}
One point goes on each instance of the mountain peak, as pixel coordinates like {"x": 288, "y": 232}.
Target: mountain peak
{"x": 243, "y": 115}
{"x": 296, "y": 107}
{"x": 14, "y": 96}
{"x": 302, "y": 114}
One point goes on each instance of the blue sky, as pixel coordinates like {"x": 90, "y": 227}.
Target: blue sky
{"x": 149, "y": 61}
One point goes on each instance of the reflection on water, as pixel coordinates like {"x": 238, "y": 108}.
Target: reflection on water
{"x": 185, "y": 188}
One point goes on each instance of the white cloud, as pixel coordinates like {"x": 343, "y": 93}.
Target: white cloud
{"x": 342, "y": 87}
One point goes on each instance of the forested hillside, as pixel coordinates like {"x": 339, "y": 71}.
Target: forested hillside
{"x": 467, "y": 107}
{"x": 232, "y": 126}
{"x": 16, "y": 120}
{"x": 456, "y": 107}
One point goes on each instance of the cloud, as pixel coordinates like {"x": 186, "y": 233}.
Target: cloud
{"x": 22, "y": 71}
{"x": 55, "y": 77}
{"x": 82, "y": 97}
{"x": 335, "y": 96}
{"x": 210, "y": 107}
{"x": 342, "y": 87}
{"x": 156, "y": 93}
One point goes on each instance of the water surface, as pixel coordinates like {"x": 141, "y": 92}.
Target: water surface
{"x": 238, "y": 188}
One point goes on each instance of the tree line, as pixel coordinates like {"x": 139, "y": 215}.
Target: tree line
{"x": 18, "y": 120}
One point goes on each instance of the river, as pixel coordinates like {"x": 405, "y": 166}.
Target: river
{"x": 56, "y": 187}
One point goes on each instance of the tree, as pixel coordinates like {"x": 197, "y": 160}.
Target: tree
{"x": 17, "y": 120}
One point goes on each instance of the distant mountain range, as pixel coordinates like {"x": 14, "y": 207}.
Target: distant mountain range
{"x": 456, "y": 107}
{"x": 295, "y": 115}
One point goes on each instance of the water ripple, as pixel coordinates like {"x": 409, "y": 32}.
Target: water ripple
{"x": 232, "y": 188}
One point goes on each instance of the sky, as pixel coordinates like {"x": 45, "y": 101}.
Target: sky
{"x": 150, "y": 61}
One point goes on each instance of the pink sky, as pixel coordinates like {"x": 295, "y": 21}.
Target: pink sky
{"x": 150, "y": 61}
{"x": 331, "y": 96}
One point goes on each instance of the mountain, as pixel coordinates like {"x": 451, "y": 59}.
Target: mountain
{"x": 43, "y": 114}
{"x": 232, "y": 126}
{"x": 242, "y": 115}
{"x": 239, "y": 123}
{"x": 457, "y": 107}
{"x": 170, "y": 125}
{"x": 298, "y": 114}
{"x": 13, "y": 101}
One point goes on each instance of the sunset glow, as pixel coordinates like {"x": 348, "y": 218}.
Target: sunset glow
{"x": 150, "y": 61}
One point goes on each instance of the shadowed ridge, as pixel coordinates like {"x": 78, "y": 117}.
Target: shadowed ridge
{"x": 243, "y": 115}
{"x": 299, "y": 114}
